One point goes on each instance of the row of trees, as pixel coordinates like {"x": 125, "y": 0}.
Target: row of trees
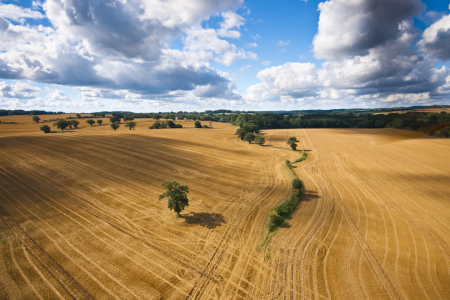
{"x": 409, "y": 120}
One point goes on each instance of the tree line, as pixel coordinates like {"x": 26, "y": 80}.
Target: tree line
{"x": 411, "y": 121}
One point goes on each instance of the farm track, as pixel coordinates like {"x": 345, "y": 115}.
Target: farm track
{"x": 79, "y": 216}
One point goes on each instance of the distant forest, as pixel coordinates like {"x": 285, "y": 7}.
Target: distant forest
{"x": 431, "y": 123}
{"x": 437, "y": 124}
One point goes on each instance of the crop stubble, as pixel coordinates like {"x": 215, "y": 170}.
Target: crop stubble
{"x": 80, "y": 216}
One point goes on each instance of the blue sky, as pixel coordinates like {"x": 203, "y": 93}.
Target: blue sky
{"x": 151, "y": 55}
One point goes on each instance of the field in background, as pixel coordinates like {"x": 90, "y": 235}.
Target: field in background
{"x": 427, "y": 110}
{"x": 80, "y": 216}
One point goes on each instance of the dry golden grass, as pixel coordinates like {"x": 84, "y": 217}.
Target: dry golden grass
{"x": 80, "y": 216}
{"x": 374, "y": 222}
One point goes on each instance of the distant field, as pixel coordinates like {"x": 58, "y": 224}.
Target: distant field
{"x": 80, "y": 216}
{"x": 434, "y": 110}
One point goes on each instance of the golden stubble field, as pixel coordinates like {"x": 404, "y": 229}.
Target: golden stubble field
{"x": 80, "y": 216}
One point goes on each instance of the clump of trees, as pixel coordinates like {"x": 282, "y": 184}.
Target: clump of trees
{"x": 247, "y": 128}
{"x": 260, "y": 140}
{"x": 292, "y": 142}
{"x": 249, "y": 137}
{"x": 115, "y": 119}
{"x": 115, "y": 126}
{"x": 62, "y": 124}
{"x": 131, "y": 125}
{"x": 168, "y": 124}
{"x": 74, "y": 123}
{"x": 177, "y": 196}
{"x": 127, "y": 117}
{"x": 45, "y": 128}
{"x": 36, "y": 119}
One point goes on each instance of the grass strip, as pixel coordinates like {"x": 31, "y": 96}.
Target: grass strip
{"x": 280, "y": 213}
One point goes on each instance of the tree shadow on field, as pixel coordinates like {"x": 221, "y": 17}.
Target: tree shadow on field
{"x": 208, "y": 220}
{"x": 309, "y": 195}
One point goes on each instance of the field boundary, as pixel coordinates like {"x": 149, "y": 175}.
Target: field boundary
{"x": 278, "y": 215}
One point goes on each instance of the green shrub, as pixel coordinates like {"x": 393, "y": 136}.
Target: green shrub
{"x": 297, "y": 184}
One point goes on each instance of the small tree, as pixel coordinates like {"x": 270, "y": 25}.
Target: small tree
{"x": 99, "y": 122}
{"x": 156, "y": 117}
{"x": 75, "y": 123}
{"x": 78, "y": 115}
{"x": 260, "y": 140}
{"x": 198, "y": 124}
{"x": 172, "y": 116}
{"x": 292, "y": 141}
{"x": 45, "y": 128}
{"x": 61, "y": 124}
{"x": 36, "y": 119}
{"x": 90, "y": 122}
{"x": 130, "y": 125}
{"x": 115, "y": 126}
{"x": 249, "y": 137}
{"x": 177, "y": 195}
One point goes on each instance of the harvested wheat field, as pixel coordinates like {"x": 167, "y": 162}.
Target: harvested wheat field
{"x": 80, "y": 216}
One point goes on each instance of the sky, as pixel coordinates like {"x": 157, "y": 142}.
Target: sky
{"x": 196, "y": 55}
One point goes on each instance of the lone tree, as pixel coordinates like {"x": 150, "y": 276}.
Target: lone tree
{"x": 249, "y": 137}
{"x": 36, "y": 119}
{"x": 260, "y": 140}
{"x": 99, "y": 122}
{"x": 177, "y": 195}
{"x": 292, "y": 141}
{"x": 115, "y": 126}
{"x": 45, "y": 128}
{"x": 156, "y": 117}
{"x": 75, "y": 123}
{"x": 130, "y": 125}
{"x": 90, "y": 122}
{"x": 61, "y": 124}
{"x": 78, "y": 115}
{"x": 198, "y": 124}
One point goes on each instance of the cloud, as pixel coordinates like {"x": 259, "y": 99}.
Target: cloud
{"x": 364, "y": 60}
{"x": 266, "y": 63}
{"x": 18, "y": 14}
{"x": 231, "y": 20}
{"x": 436, "y": 39}
{"x": 244, "y": 68}
{"x": 58, "y": 95}
{"x": 282, "y": 43}
{"x": 18, "y": 90}
{"x": 251, "y": 45}
{"x": 123, "y": 46}
{"x": 351, "y": 28}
